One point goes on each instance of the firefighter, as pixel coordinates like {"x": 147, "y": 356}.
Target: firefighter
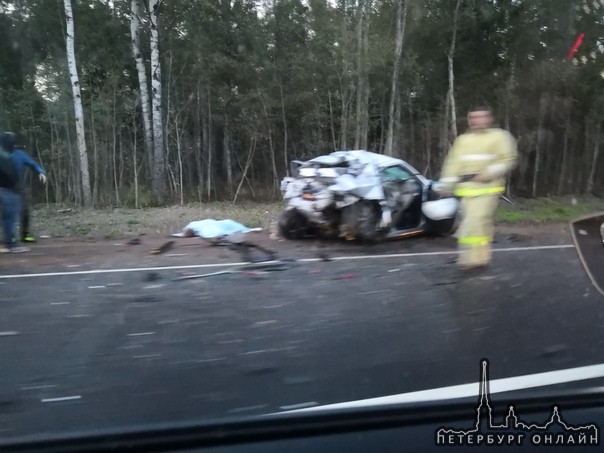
{"x": 475, "y": 171}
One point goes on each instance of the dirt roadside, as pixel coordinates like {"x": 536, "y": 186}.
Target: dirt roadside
{"x": 67, "y": 255}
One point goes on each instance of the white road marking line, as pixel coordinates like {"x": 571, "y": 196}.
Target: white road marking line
{"x": 140, "y": 334}
{"x": 38, "y": 387}
{"x": 62, "y": 398}
{"x": 247, "y": 409}
{"x": 469, "y": 390}
{"x": 60, "y": 303}
{"x": 154, "y": 286}
{"x": 299, "y": 406}
{"x": 303, "y": 260}
{"x": 8, "y": 333}
{"x": 146, "y": 356}
{"x": 96, "y": 287}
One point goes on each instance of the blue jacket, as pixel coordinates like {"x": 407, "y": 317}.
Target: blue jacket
{"x": 21, "y": 159}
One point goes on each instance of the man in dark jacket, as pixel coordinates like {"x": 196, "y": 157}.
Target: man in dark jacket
{"x": 10, "y": 198}
{"x": 20, "y": 154}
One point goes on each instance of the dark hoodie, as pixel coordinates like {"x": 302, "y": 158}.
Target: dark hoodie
{"x": 19, "y": 157}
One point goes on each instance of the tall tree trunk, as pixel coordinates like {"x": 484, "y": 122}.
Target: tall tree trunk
{"x": 397, "y": 145}
{"x": 227, "y": 154}
{"x": 77, "y": 103}
{"x": 250, "y": 157}
{"x": 450, "y": 57}
{"x": 401, "y": 20}
{"x": 564, "y": 162}
{"x": 542, "y": 110}
{"x": 594, "y": 160}
{"x": 209, "y": 145}
{"x": 158, "y": 128}
{"x": 365, "y": 100}
{"x": 428, "y": 155}
{"x": 333, "y": 131}
{"x": 114, "y": 154}
{"x": 143, "y": 82}
{"x": 343, "y": 121}
{"x": 343, "y": 75}
{"x": 270, "y": 144}
{"x": 134, "y": 161}
{"x": 359, "y": 64}
{"x": 284, "y": 119}
{"x": 198, "y": 142}
{"x": 95, "y": 169}
{"x": 411, "y": 130}
{"x": 178, "y": 133}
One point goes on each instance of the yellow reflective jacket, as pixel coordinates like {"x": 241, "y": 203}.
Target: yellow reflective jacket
{"x": 489, "y": 153}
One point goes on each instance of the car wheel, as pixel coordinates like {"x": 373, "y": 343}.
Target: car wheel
{"x": 446, "y": 227}
{"x": 293, "y": 225}
{"x": 368, "y": 218}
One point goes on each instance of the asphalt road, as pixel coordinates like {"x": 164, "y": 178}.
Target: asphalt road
{"x": 115, "y": 349}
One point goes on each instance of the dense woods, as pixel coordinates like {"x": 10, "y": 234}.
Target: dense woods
{"x": 199, "y": 100}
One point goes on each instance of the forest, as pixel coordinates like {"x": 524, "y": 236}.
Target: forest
{"x": 154, "y": 102}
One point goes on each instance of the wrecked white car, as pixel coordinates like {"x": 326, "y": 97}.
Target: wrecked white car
{"x": 362, "y": 195}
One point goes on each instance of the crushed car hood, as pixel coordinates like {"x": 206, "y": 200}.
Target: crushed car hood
{"x": 359, "y": 172}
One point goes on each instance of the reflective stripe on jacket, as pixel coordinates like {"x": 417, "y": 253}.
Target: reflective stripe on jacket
{"x": 490, "y": 153}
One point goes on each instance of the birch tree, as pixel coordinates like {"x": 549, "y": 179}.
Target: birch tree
{"x": 450, "y": 56}
{"x": 141, "y": 69}
{"x": 77, "y": 104}
{"x": 158, "y": 128}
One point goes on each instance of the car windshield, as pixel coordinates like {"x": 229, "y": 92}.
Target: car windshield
{"x": 211, "y": 210}
{"x": 395, "y": 174}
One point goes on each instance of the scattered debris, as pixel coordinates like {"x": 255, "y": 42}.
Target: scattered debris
{"x": 177, "y": 254}
{"x": 324, "y": 256}
{"x": 64, "y": 211}
{"x": 151, "y": 277}
{"x": 583, "y": 232}
{"x": 394, "y": 270}
{"x": 163, "y": 249}
{"x": 346, "y": 277}
{"x": 281, "y": 265}
{"x": 135, "y": 241}
{"x": 253, "y": 253}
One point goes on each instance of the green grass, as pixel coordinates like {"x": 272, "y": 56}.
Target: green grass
{"x": 541, "y": 210}
{"x": 124, "y": 222}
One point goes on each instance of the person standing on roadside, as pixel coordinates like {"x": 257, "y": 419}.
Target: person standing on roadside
{"x": 23, "y": 189}
{"x": 475, "y": 170}
{"x": 10, "y": 191}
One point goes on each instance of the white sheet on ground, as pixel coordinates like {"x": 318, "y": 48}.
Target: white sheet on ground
{"x": 210, "y": 228}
